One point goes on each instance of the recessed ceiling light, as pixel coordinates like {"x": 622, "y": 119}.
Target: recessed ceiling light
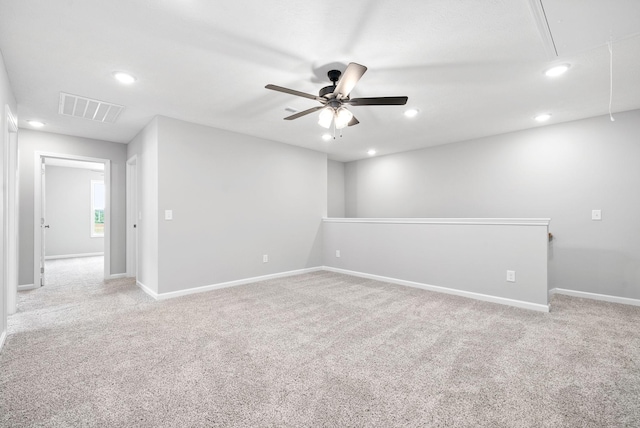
{"x": 371, "y": 152}
{"x": 36, "y": 123}
{"x": 123, "y": 77}
{"x": 412, "y": 112}
{"x": 326, "y": 137}
{"x": 543, "y": 117}
{"x": 557, "y": 70}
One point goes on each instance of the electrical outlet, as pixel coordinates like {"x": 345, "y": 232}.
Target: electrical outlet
{"x": 511, "y": 276}
{"x": 168, "y": 214}
{"x": 337, "y": 253}
{"x": 596, "y": 215}
{"x": 265, "y": 258}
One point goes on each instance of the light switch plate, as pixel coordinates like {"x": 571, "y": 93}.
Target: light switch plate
{"x": 168, "y": 214}
{"x": 596, "y": 215}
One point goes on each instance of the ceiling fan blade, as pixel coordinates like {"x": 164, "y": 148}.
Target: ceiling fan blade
{"x": 348, "y": 80}
{"x": 378, "y": 101}
{"x": 353, "y": 121}
{"x": 303, "y": 113}
{"x": 294, "y": 92}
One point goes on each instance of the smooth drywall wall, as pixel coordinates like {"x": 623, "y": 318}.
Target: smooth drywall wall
{"x": 234, "y": 199}
{"x": 68, "y": 212}
{"x": 562, "y": 172}
{"x": 144, "y": 147}
{"x": 335, "y": 189}
{"x": 471, "y": 256}
{"x": 30, "y": 142}
{"x": 7, "y": 101}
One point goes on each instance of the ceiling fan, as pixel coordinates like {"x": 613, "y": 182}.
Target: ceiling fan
{"x": 335, "y": 98}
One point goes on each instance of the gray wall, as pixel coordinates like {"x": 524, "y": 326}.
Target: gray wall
{"x": 470, "y": 257}
{"x": 560, "y": 171}
{"x": 68, "y": 211}
{"x": 235, "y": 198}
{"x": 335, "y": 189}
{"x": 6, "y": 99}
{"x": 145, "y": 148}
{"x": 29, "y": 142}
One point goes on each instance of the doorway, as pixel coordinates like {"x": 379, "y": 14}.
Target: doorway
{"x": 95, "y": 223}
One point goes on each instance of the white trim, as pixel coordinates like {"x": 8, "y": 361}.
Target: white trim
{"x": 147, "y": 290}
{"x": 453, "y": 221}
{"x": 117, "y": 275}
{"x": 26, "y": 287}
{"x": 469, "y": 294}
{"x": 595, "y": 296}
{"x": 72, "y": 256}
{"x": 202, "y": 289}
{"x": 11, "y": 212}
{"x": 3, "y": 337}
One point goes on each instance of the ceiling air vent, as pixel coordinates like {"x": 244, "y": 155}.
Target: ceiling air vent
{"x": 87, "y": 108}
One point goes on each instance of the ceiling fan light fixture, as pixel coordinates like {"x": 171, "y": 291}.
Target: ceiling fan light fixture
{"x": 325, "y": 118}
{"x": 343, "y": 117}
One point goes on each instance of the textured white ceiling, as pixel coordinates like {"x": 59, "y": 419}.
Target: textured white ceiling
{"x": 472, "y": 68}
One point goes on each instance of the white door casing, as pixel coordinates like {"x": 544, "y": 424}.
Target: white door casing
{"x": 38, "y": 210}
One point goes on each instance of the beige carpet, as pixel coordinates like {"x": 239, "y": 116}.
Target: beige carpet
{"x": 320, "y": 349}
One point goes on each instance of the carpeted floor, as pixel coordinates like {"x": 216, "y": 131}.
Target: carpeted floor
{"x": 320, "y": 349}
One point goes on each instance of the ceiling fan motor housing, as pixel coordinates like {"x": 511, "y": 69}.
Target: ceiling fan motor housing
{"x": 334, "y": 76}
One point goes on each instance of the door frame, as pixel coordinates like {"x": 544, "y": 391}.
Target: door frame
{"x": 37, "y": 209}
{"x": 11, "y": 214}
{"x": 133, "y": 223}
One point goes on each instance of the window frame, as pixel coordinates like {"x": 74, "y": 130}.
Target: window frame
{"x": 93, "y": 209}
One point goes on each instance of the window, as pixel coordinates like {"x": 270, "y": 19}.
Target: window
{"x": 97, "y": 208}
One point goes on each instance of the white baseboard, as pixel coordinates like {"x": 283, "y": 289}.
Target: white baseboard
{"x": 26, "y": 287}
{"x": 462, "y": 293}
{"x": 3, "y": 337}
{"x": 117, "y": 276}
{"x": 73, "y": 256}
{"x": 202, "y": 289}
{"x": 595, "y": 296}
{"x": 147, "y": 290}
